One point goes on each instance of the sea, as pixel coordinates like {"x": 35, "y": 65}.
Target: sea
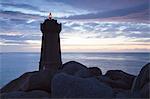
{"x": 14, "y": 64}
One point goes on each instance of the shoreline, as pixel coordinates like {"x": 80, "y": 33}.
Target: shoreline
{"x": 29, "y": 83}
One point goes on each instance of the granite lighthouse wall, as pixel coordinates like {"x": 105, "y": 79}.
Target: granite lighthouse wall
{"x": 50, "y": 49}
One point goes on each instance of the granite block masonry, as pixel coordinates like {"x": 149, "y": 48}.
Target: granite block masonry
{"x": 50, "y": 48}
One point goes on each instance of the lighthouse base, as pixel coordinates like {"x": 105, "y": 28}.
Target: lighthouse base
{"x": 50, "y": 65}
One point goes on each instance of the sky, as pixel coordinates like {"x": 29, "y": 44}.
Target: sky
{"x": 87, "y": 25}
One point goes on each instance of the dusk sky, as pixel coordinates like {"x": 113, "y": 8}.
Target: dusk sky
{"x": 87, "y": 25}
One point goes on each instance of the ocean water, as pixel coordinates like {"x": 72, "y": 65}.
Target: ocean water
{"x": 13, "y": 65}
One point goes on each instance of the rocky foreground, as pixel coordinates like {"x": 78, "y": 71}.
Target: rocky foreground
{"x": 75, "y": 80}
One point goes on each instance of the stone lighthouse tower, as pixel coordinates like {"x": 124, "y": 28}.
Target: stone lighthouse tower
{"x": 50, "y": 49}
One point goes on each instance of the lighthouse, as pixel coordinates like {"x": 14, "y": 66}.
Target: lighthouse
{"x": 50, "y": 58}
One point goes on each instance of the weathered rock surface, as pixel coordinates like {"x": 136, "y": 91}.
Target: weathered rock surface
{"x": 95, "y": 71}
{"x": 15, "y": 85}
{"x": 145, "y": 91}
{"x": 114, "y": 83}
{"x": 67, "y": 86}
{"x": 38, "y": 81}
{"x": 30, "y": 81}
{"x": 23, "y": 95}
{"x": 127, "y": 94}
{"x": 83, "y": 73}
{"x": 119, "y": 79}
{"x": 72, "y": 67}
{"x": 78, "y": 69}
{"x": 142, "y": 82}
{"x": 143, "y": 78}
{"x": 75, "y": 80}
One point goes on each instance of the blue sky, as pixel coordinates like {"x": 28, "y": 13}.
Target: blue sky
{"x": 88, "y": 25}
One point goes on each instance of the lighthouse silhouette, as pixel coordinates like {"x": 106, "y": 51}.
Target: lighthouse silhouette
{"x": 50, "y": 48}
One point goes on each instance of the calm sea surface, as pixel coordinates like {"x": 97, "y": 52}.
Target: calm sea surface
{"x": 12, "y": 65}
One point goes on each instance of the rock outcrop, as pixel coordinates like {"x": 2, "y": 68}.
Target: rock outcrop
{"x": 119, "y": 79}
{"x": 38, "y": 80}
{"x": 22, "y": 95}
{"x": 95, "y": 71}
{"x": 75, "y": 80}
{"x": 67, "y": 86}
{"x": 83, "y": 73}
{"x": 16, "y": 84}
{"x": 142, "y": 82}
{"x": 72, "y": 67}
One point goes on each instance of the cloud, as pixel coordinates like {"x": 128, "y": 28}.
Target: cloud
{"x": 139, "y": 35}
{"x": 12, "y": 37}
{"x": 107, "y": 29}
{"x": 144, "y": 40}
{"x": 114, "y": 13}
{"x": 83, "y": 29}
{"x": 16, "y": 5}
{"x": 41, "y": 7}
{"x": 13, "y": 42}
{"x": 20, "y": 36}
{"x": 102, "y": 5}
{"x": 142, "y": 10}
{"x": 96, "y": 23}
{"x": 19, "y": 15}
{"x": 137, "y": 12}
